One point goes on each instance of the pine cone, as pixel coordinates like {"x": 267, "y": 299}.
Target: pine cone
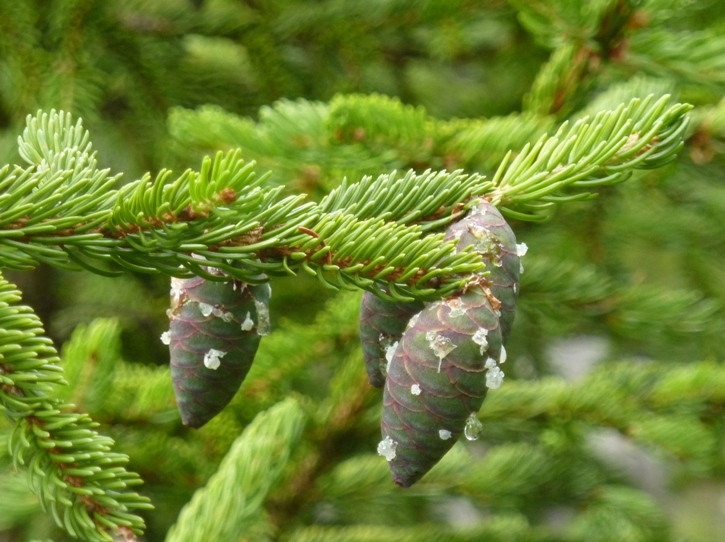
{"x": 438, "y": 378}
{"x": 381, "y": 325}
{"x": 486, "y": 229}
{"x": 448, "y": 356}
{"x": 215, "y": 328}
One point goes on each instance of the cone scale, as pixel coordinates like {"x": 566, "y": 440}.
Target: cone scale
{"x": 214, "y": 333}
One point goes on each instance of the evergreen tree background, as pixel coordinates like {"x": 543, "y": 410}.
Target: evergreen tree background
{"x": 609, "y": 426}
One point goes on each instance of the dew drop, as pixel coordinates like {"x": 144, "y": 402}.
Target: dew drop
{"x": 386, "y": 448}
{"x": 504, "y": 356}
{"x": 474, "y": 427}
{"x": 445, "y": 434}
{"x": 521, "y": 268}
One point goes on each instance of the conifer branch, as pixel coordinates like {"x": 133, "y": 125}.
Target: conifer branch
{"x": 596, "y": 152}
{"x": 221, "y": 216}
{"x": 237, "y": 492}
{"x": 71, "y": 466}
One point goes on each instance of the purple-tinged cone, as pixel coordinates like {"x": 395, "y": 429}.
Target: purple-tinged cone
{"x": 449, "y": 355}
{"x": 381, "y": 325}
{"x": 438, "y": 377}
{"x": 486, "y": 229}
{"x": 215, "y": 329}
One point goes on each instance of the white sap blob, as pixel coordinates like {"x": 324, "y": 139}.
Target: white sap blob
{"x": 445, "y": 434}
{"x": 386, "y": 448}
{"x": 248, "y": 323}
{"x": 263, "y": 325}
{"x": 503, "y": 356}
{"x": 389, "y": 353}
{"x": 516, "y": 288}
{"x": 473, "y": 427}
{"x": 177, "y": 288}
{"x": 166, "y": 337}
{"x": 212, "y": 357}
{"x": 480, "y": 338}
{"x": 494, "y": 378}
{"x": 415, "y": 389}
{"x": 521, "y": 249}
{"x": 441, "y": 346}
{"x": 206, "y": 309}
{"x": 457, "y": 308}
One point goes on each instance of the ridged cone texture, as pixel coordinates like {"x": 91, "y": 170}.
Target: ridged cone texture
{"x": 487, "y": 230}
{"x": 228, "y": 336}
{"x": 438, "y": 374}
{"x": 443, "y": 399}
{"x": 382, "y": 323}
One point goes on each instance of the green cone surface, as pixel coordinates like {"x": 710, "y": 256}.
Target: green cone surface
{"x": 215, "y": 329}
{"x": 381, "y": 325}
{"x": 486, "y": 229}
{"x": 449, "y": 355}
{"x": 425, "y": 409}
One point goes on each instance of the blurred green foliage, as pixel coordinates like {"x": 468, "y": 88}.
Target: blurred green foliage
{"x": 161, "y": 83}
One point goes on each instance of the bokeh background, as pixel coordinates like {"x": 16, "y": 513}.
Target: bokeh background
{"x": 610, "y": 423}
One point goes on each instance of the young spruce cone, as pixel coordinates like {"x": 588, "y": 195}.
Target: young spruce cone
{"x": 486, "y": 229}
{"x": 449, "y": 355}
{"x": 381, "y": 325}
{"x": 214, "y": 333}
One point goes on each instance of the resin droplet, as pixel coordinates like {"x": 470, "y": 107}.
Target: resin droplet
{"x": 206, "y": 309}
{"x": 503, "y": 356}
{"x": 445, "y": 434}
{"x": 415, "y": 389}
{"x": 480, "y": 338}
{"x": 389, "y": 353}
{"x": 248, "y": 323}
{"x": 457, "y": 308}
{"x": 212, "y": 358}
{"x": 177, "y": 288}
{"x": 494, "y": 378}
{"x": 263, "y": 325}
{"x": 166, "y": 337}
{"x": 441, "y": 346}
{"x": 521, "y": 249}
{"x": 386, "y": 448}
{"x": 474, "y": 427}
{"x": 521, "y": 269}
